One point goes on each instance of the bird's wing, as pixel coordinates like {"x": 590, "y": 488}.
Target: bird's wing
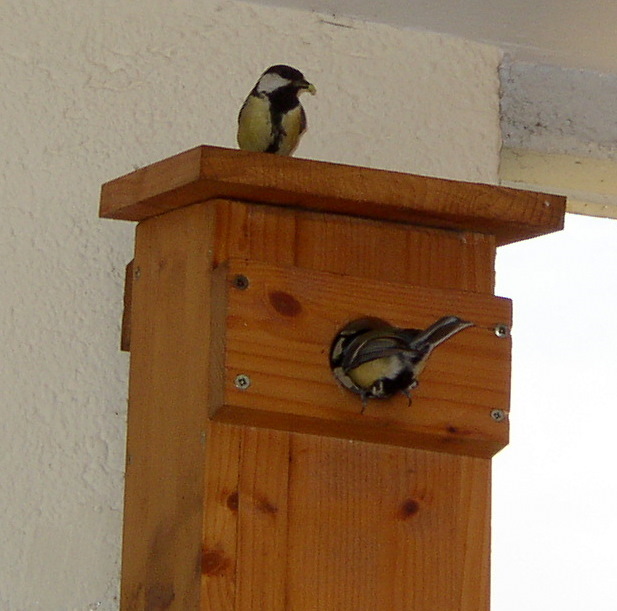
{"x": 292, "y": 125}
{"x": 373, "y": 345}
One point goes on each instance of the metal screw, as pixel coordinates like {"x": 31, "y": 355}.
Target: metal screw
{"x": 240, "y": 282}
{"x": 547, "y": 203}
{"x": 502, "y": 331}
{"x": 242, "y": 381}
{"x": 137, "y": 273}
{"x": 498, "y": 415}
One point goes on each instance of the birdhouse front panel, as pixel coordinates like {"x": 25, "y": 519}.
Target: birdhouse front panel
{"x": 272, "y": 331}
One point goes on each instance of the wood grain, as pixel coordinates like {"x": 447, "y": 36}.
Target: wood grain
{"x": 321, "y": 524}
{"x": 355, "y": 246}
{"x": 263, "y": 530}
{"x": 208, "y": 172}
{"x": 219, "y": 555}
{"x": 222, "y": 516}
{"x": 278, "y": 331}
{"x": 289, "y": 552}
{"x": 390, "y": 521}
{"x": 352, "y": 538}
{"x": 162, "y": 555}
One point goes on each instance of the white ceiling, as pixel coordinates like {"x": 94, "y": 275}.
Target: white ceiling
{"x": 566, "y": 33}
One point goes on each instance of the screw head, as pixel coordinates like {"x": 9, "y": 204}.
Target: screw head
{"x": 498, "y": 415}
{"x": 240, "y": 282}
{"x": 242, "y": 381}
{"x": 502, "y": 331}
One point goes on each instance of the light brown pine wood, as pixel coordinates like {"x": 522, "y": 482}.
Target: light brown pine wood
{"x": 208, "y": 172}
{"x": 354, "y": 246}
{"x": 220, "y": 511}
{"x": 388, "y": 521}
{"x": 325, "y": 524}
{"x": 269, "y": 526}
{"x": 275, "y": 331}
{"x": 167, "y": 418}
{"x": 366, "y": 522}
{"x": 222, "y": 516}
{"x": 263, "y": 530}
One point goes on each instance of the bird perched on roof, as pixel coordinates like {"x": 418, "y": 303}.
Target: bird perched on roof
{"x": 376, "y": 360}
{"x": 272, "y": 119}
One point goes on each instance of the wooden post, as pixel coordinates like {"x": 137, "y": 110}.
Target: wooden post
{"x": 278, "y": 494}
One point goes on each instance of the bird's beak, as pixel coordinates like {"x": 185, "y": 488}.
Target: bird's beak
{"x": 308, "y": 86}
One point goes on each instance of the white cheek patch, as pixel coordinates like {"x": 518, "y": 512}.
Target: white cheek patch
{"x": 269, "y": 82}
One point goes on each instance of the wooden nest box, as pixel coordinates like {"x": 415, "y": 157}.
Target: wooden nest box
{"x": 253, "y": 482}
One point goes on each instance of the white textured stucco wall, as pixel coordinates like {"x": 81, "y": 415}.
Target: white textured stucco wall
{"x": 94, "y": 89}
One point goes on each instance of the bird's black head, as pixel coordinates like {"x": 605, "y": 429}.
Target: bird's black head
{"x": 286, "y": 72}
{"x": 283, "y": 82}
{"x": 387, "y": 387}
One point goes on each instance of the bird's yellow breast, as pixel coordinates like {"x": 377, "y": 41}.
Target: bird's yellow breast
{"x": 255, "y": 132}
{"x": 368, "y": 373}
{"x": 254, "y": 124}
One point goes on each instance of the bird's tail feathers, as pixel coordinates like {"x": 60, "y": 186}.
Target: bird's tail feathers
{"x": 440, "y": 331}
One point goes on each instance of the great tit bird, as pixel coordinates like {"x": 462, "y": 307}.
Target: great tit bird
{"x": 377, "y": 360}
{"x": 272, "y": 119}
